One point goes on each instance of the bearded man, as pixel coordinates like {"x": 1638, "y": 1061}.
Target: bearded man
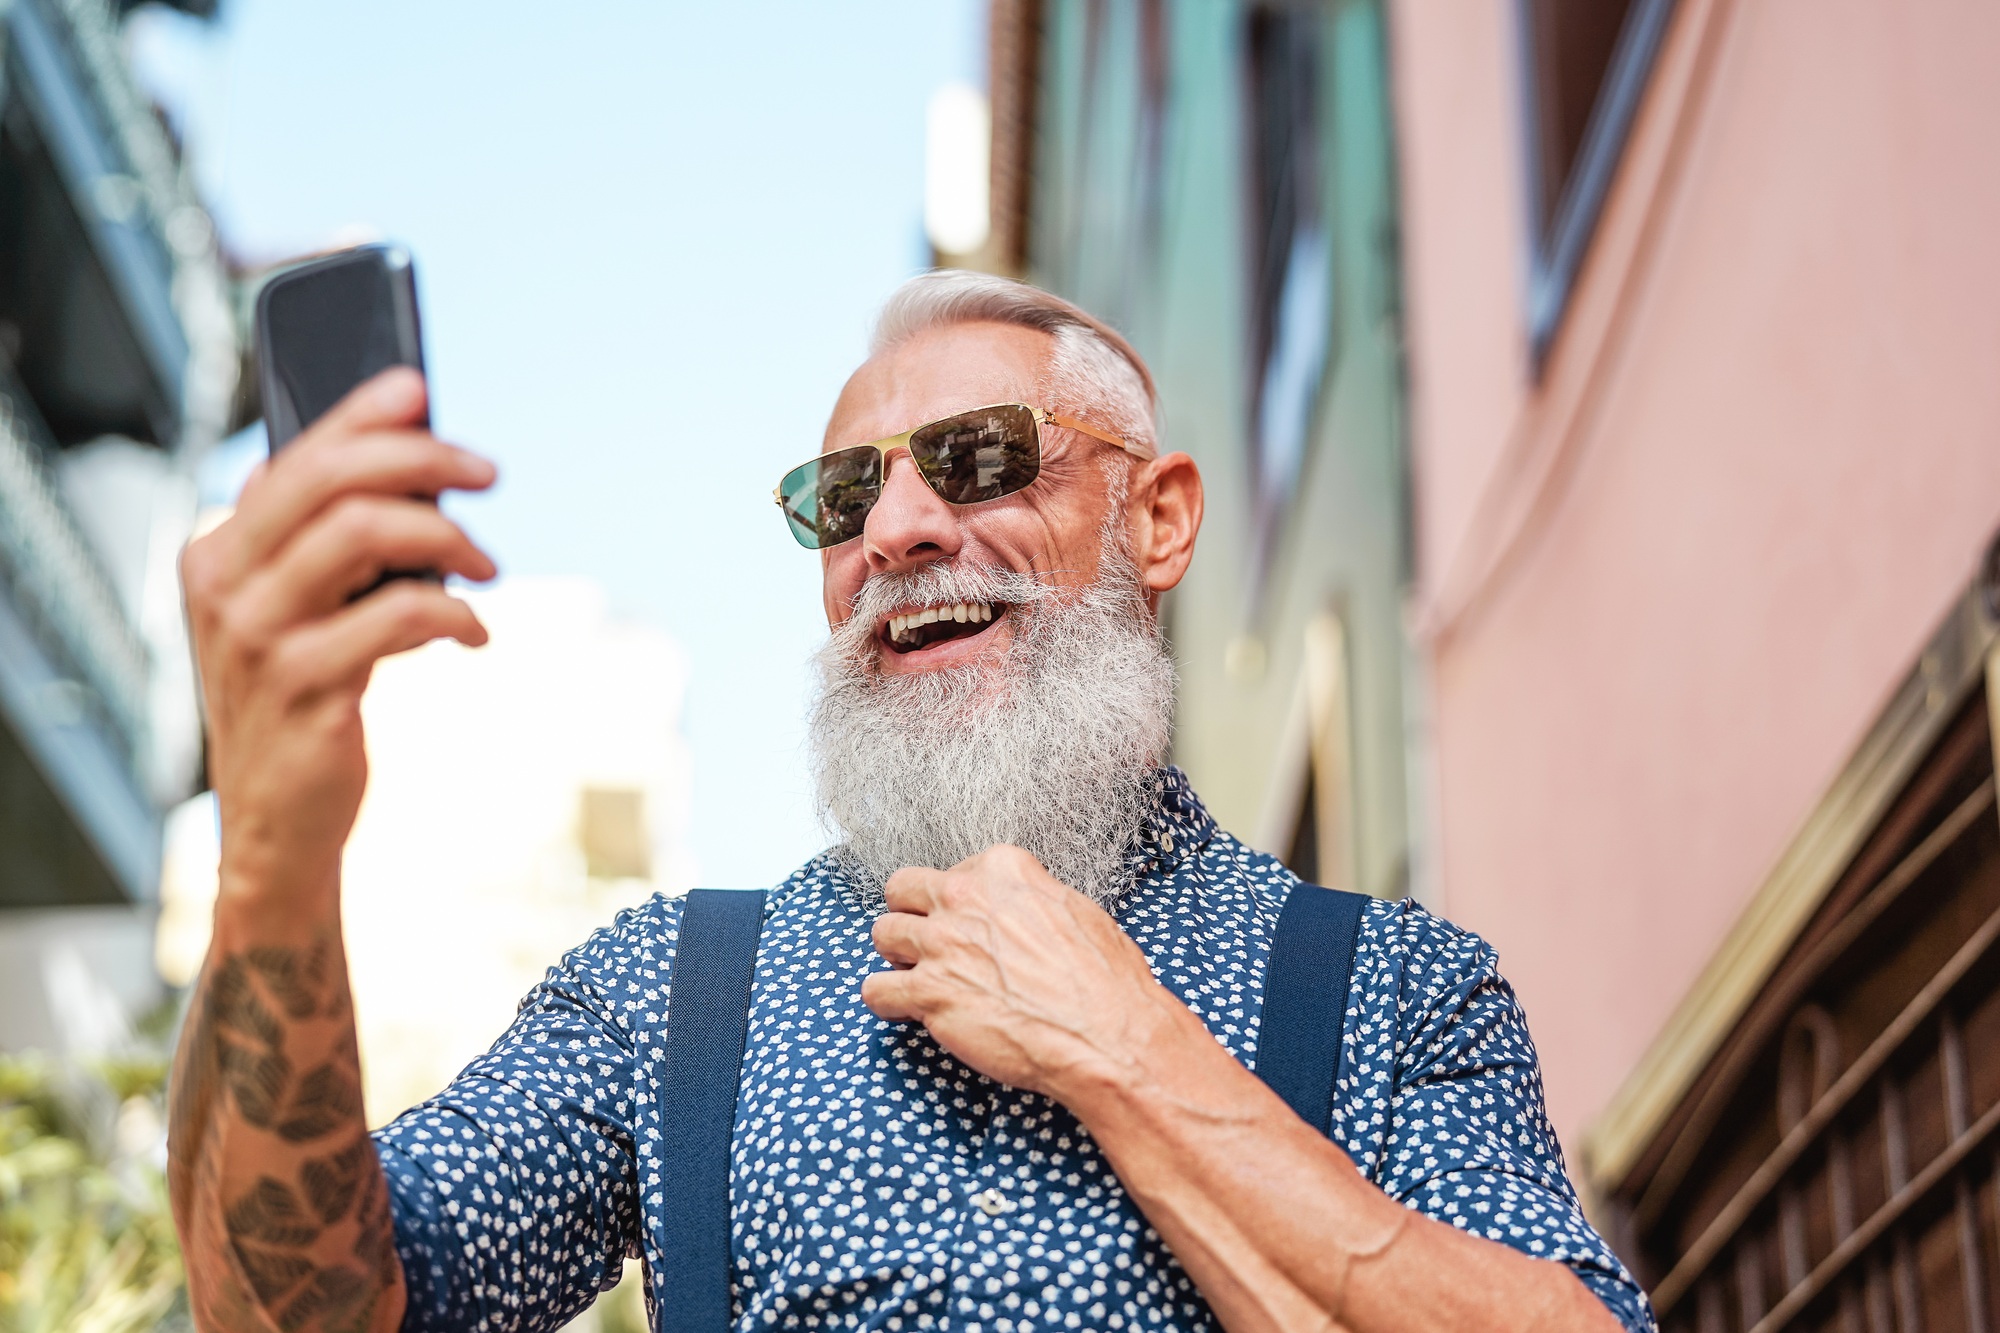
{"x": 1044, "y": 1111}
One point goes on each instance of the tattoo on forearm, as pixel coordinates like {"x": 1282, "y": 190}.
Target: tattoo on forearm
{"x": 290, "y": 1230}
{"x": 272, "y": 1222}
{"x": 330, "y": 1182}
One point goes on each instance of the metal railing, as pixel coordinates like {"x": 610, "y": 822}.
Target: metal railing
{"x": 138, "y": 179}
{"x": 200, "y": 287}
{"x": 57, "y": 582}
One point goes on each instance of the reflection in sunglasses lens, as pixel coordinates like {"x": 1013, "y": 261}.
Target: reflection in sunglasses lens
{"x": 849, "y": 484}
{"x": 827, "y": 500}
{"x": 980, "y": 455}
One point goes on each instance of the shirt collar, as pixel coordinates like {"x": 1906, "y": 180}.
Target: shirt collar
{"x": 1175, "y": 829}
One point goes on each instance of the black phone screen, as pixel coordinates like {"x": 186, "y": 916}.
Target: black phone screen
{"x": 326, "y": 326}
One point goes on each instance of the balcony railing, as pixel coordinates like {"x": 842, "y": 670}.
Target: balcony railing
{"x": 151, "y": 234}
{"x": 57, "y": 584}
{"x": 119, "y": 323}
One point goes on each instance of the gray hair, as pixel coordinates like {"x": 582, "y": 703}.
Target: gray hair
{"x": 1093, "y": 374}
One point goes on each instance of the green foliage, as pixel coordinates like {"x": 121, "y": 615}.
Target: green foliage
{"x": 86, "y": 1238}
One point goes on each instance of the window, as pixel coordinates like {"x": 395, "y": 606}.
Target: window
{"x": 1290, "y": 247}
{"x": 1586, "y": 62}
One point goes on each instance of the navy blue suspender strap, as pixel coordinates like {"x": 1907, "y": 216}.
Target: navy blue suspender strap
{"x": 1306, "y": 983}
{"x": 708, "y": 1018}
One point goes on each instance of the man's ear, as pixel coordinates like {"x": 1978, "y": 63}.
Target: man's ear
{"x": 1166, "y": 510}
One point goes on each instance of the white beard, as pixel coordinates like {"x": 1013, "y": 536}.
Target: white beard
{"x": 1052, "y": 748}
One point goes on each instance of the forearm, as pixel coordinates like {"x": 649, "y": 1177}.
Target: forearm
{"x": 279, "y": 1198}
{"x": 1273, "y": 1222}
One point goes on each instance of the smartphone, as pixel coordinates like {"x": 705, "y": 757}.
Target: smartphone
{"x": 327, "y": 325}
{"x": 324, "y": 327}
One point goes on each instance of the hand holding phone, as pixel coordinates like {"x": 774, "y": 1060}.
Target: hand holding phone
{"x": 285, "y": 645}
{"x": 286, "y": 600}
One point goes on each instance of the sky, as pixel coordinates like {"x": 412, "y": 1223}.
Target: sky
{"x": 649, "y": 240}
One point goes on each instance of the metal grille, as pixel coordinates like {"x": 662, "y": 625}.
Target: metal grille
{"x": 55, "y": 579}
{"x": 1847, "y": 1180}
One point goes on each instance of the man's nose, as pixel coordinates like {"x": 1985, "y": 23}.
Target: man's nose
{"x": 909, "y": 526}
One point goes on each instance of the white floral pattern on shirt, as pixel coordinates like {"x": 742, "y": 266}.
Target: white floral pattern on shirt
{"x": 876, "y": 1182}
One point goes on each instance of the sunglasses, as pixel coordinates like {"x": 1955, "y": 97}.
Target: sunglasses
{"x": 967, "y": 458}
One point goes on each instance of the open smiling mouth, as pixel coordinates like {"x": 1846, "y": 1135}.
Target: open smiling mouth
{"x": 935, "y": 624}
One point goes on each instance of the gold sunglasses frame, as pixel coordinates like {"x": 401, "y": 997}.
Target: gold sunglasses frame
{"x": 890, "y": 444}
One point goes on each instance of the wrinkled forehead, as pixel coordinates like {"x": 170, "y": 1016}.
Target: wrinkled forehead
{"x": 934, "y": 374}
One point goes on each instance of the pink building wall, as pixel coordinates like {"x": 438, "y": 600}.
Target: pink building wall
{"x": 1664, "y": 589}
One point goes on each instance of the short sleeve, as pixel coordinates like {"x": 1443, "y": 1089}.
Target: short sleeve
{"x": 1469, "y": 1140}
{"x": 513, "y": 1190}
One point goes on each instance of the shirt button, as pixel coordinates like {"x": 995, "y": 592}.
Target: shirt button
{"x": 1167, "y": 843}
{"x": 991, "y": 1202}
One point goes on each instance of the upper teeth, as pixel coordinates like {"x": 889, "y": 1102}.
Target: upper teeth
{"x": 962, "y": 612}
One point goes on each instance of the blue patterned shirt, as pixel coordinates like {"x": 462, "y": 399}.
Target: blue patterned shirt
{"x": 878, "y": 1183}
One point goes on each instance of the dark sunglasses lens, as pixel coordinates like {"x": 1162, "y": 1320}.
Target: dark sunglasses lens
{"x": 980, "y": 455}
{"x": 827, "y": 500}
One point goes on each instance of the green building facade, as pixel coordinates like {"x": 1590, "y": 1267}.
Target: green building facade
{"x": 1216, "y": 179}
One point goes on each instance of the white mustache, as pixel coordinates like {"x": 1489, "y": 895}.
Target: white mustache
{"x": 930, "y": 585}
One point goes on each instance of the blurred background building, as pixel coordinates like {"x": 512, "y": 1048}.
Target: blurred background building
{"x": 1596, "y": 403}
{"x": 1218, "y": 181}
{"x": 118, "y": 359}
{"x": 1707, "y": 452}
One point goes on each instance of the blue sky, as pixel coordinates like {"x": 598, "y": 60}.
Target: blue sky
{"x": 650, "y": 237}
